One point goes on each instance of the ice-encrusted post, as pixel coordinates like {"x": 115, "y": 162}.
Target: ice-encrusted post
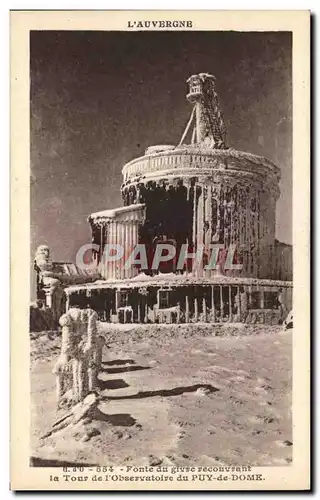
{"x": 79, "y": 363}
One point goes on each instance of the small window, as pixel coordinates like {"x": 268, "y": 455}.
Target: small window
{"x": 271, "y": 300}
{"x": 164, "y": 299}
{"x": 255, "y": 300}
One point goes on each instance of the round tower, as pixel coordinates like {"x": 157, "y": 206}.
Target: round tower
{"x": 203, "y": 193}
{"x": 198, "y": 198}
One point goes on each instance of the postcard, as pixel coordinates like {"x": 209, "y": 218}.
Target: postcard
{"x": 160, "y": 227}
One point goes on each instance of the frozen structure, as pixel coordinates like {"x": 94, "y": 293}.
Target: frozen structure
{"x": 200, "y": 192}
{"x": 51, "y": 280}
{"x": 79, "y": 362}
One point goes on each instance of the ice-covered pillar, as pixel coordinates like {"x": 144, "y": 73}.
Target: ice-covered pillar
{"x": 194, "y": 220}
{"x": 135, "y": 240}
{"x": 188, "y": 187}
{"x": 250, "y": 296}
{"x": 196, "y": 228}
{"x": 101, "y": 242}
{"x": 90, "y": 324}
{"x": 139, "y": 308}
{"x": 204, "y": 309}
{"x": 213, "y": 312}
{"x": 221, "y": 303}
{"x": 114, "y": 241}
{"x": 121, "y": 241}
{"x": 146, "y": 312}
{"x": 200, "y": 229}
{"x": 53, "y": 293}
{"x": 196, "y": 309}
{"x": 187, "y": 309}
{"x": 238, "y": 303}
{"x": 117, "y": 265}
{"x": 261, "y": 298}
{"x": 208, "y": 217}
{"x": 108, "y": 264}
{"x": 127, "y": 246}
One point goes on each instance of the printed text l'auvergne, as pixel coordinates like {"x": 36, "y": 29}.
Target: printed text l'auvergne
{"x": 159, "y": 24}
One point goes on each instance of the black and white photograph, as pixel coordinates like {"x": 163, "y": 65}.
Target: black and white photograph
{"x": 161, "y": 276}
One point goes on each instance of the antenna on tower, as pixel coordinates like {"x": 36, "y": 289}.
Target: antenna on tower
{"x": 206, "y": 117}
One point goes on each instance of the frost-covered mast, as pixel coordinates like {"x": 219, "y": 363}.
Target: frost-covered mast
{"x": 206, "y": 117}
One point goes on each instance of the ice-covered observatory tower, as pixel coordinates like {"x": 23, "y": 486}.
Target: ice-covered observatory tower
{"x": 198, "y": 194}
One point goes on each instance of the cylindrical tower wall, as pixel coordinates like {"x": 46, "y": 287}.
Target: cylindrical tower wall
{"x": 231, "y": 196}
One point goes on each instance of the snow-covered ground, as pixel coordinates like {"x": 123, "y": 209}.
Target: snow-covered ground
{"x": 174, "y": 394}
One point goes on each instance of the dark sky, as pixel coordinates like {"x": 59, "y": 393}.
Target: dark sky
{"x": 98, "y": 99}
